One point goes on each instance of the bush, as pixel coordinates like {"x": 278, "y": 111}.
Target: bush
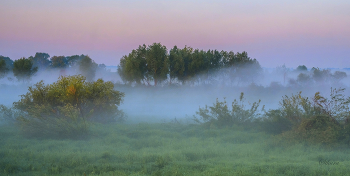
{"x": 220, "y": 115}
{"x": 319, "y": 129}
{"x": 65, "y": 108}
{"x": 320, "y": 121}
{"x": 8, "y": 115}
{"x": 275, "y": 122}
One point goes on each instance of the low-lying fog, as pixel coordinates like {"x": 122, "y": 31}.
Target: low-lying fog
{"x": 167, "y": 102}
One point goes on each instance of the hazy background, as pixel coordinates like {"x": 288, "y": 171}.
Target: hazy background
{"x": 166, "y": 102}
{"x": 313, "y": 33}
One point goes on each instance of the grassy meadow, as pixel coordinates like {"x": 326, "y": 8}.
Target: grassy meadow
{"x": 166, "y": 149}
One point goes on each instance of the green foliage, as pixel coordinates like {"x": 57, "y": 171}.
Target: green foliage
{"x": 8, "y": 114}
{"x": 219, "y": 114}
{"x": 157, "y": 62}
{"x": 40, "y": 60}
{"x": 59, "y": 62}
{"x": 88, "y": 68}
{"x": 320, "y": 121}
{"x": 319, "y": 129}
{"x": 301, "y": 68}
{"x": 6, "y": 64}
{"x": 185, "y": 65}
{"x": 274, "y": 122}
{"x": 336, "y": 107}
{"x": 296, "y": 107}
{"x": 133, "y": 67}
{"x": 304, "y": 79}
{"x": 63, "y": 108}
{"x": 23, "y": 69}
{"x": 3, "y": 68}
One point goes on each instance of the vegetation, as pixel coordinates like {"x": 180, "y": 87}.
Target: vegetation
{"x": 317, "y": 76}
{"x": 23, "y": 69}
{"x": 88, "y": 68}
{"x": 166, "y": 149}
{"x": 319, "y": 120}
{"x": 40, "y": 60}
{"x": 3, "y": 68}
{"x": 303, "y": 136}
{"x": 185, "y": 65}
{"x": 219, "y": 114}
{"x": 65, "y": 108}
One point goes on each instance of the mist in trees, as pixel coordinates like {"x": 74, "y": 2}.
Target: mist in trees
{"x": 187, "y": 65}
{"x": 23, "y": 69}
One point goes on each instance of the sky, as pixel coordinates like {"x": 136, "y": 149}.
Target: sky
{"x": 315, "y": 33}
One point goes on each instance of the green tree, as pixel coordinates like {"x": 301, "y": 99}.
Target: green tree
{"x": 321, "y": 76}
{"x": 176, "y": 64}
{"x": 64, "y": 108}
{"x": 133, "y": 67}
{"x": 3, "y": 68}
{"x": 338, "y": 76}
{"x": 23, "y": 69}
{"x": 8, "y": 61}
{"x": 301, "y": 68}
{"x": 74, "y": 60}
{"x": 304, "y": 79}
{"x": 59, "y": 62}
{"x": 88, "y": 68}
{"x": 187, "y": 58}
{"x": 157, "y": 62}
{"x": 40, "y": 60}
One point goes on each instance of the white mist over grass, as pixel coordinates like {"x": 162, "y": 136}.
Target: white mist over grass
{"x": 166, "y": 102}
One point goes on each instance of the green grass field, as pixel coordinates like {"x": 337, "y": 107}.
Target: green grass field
{"x": 166, "y": 149}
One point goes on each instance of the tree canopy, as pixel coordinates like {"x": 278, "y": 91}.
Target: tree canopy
{"x": 153, "y": 62}
{"x": 23, "y": 69}
{"x": 40, "y": 60}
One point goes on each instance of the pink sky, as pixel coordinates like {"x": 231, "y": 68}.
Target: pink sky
{"x": 311, "y": 33}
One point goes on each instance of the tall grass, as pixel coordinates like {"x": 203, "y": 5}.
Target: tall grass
{"x": 166, "y": 149}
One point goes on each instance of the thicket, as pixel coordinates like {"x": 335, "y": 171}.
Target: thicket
{"x": 319, "y": 120}
{"x": 67, "y": 107}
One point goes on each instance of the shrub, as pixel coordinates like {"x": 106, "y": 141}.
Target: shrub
{"x": 220, "y": 115}
{"x": 322, "y": 120}
{"x": 8, "y": 114}
{"x": 319, "y": 129}
{"x": 65, "y": 108}
{"x": 275, "y": 122}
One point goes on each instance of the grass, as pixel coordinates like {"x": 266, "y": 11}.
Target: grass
{"x": 166, "y": 149}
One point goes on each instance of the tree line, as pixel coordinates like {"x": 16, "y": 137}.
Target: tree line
{"x": 24, "y": 68}
{"x": 155, "y": 63}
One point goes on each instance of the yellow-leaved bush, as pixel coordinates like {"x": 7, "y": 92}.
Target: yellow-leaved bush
{"x": 67, "y": 107}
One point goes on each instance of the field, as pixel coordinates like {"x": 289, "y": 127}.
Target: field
{"x": 166, "y": 149}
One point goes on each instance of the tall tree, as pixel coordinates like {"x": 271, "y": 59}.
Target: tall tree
{"x": 133, "y": 67}
{"x": 157, "y": 62}
{"x": 8, "y": 62}
{"x": 176, "y": 64}
{"x": 59, "y": 62}
{"x": 88, "y": 68}
{"x": 74, "y": 60}
{"x": 3, "y": 68}
{"x": 23, "y": 69}
{"x": 40, "y": 60}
